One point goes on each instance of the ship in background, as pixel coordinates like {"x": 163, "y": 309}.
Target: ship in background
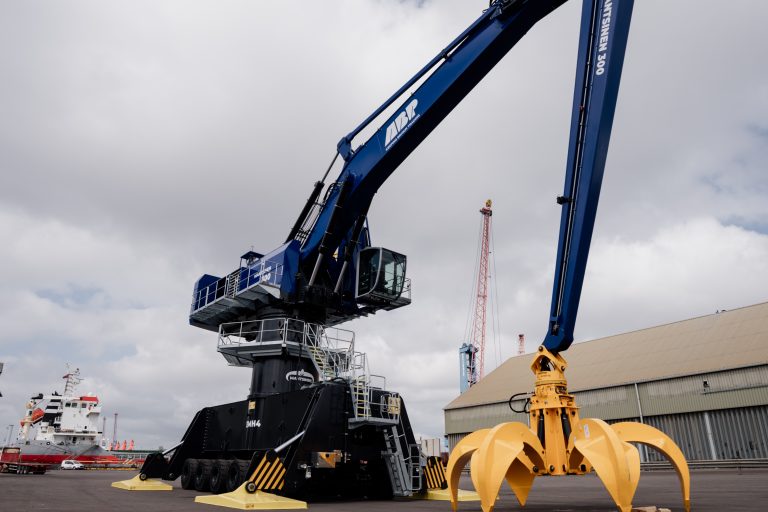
{"x": 59, "y": 427}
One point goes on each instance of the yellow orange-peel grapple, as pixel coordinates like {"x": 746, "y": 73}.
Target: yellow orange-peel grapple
{"x": 558, "y": 443}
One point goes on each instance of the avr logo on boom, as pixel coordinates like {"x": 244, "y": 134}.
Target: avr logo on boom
{"x": 397, "y": 127}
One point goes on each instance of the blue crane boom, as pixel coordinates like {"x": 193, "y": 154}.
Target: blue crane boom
{"x": 326, "y": 270}
{"x": 602, "y": 43}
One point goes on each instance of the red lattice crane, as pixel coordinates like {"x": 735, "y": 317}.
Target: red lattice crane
{"x": 481, "y": 300}
{"x": 473, "y": 353}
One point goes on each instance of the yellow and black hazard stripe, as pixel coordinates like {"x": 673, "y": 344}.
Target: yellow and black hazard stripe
{"x": 269, "y": 474}
{"x": 435, "y": 473}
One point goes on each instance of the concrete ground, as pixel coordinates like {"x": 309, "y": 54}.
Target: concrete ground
{"x": 90, "y": 491}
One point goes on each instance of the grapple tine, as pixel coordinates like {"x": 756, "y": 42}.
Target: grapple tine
{"x": 458, "y": 459}
{"x": 520, "y": 479}
{"x": 519, "y": 466}
{"x": 601, "y": 446}
{"x": 509, "y": 451}
{"x": 631, "y": 432}
{"x": 491, "y": 462}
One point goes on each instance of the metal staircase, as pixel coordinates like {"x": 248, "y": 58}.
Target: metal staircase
{"x": 324, "y": 367}
{"x": 331, "y": 350}
{"x": 359, "y": 380}
{"x": 338, "y": 360}
{"x": 403, "y": 461}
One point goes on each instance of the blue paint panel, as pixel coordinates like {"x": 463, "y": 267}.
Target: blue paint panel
{"x": 290, "y": 268}
{"x": 204, "y": 292}
{"x": 278, "y": 268}
{"x": 467, "y": 370}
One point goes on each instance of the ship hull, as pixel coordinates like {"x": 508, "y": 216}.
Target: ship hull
{"x": 43, "y": 452}
{"x": 58, "y": 427}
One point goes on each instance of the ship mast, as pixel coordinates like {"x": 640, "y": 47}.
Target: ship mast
{"x": 72, "y": 380}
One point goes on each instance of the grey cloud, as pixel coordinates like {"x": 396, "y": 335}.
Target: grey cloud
{"x": 144, "y": 143}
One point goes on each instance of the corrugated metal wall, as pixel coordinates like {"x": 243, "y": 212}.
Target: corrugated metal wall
{"x": 687, "y": 430}
{"x": 742, "y": 387}
{"x": 732, "y": 433}
{"x": 607, "y": 403}
{"x": 741, "y": 433}
{"x": 453, "y": 440}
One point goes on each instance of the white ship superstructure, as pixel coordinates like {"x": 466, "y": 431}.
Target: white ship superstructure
{"x": 63, "y": 426}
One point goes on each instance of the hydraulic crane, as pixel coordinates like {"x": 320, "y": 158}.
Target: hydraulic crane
{"x": 315, "y": 422}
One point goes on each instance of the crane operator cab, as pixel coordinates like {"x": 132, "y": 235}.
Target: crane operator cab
{"x": 381, "y": 278}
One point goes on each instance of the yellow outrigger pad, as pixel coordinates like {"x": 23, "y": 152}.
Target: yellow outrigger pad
{"x": 445, "y": 495}
{"x": 259, "y": 500}
{"x": 137, "y": 484}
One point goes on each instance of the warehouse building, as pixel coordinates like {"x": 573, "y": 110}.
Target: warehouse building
{"x": 703, "y": 381}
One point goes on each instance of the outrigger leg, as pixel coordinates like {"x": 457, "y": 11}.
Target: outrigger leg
{"x": 149, "y": 476}
{"x": 251, "y": 495}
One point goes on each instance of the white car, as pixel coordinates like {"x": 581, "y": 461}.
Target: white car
{"x": 71, "y": 464}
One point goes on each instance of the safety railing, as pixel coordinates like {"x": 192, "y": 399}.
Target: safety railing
{"x": 377, "y": 381}
{"x": 214, "y": 292}
{"x": 359, "y": 381}
{"x": 285, "y": 330}
{"x": 331, "y": 348}
{"x": 385, "y": 409}
{"x": 414, "y": 467}
{"x": 244, "y": 278}
{"x": 265, "y": 273}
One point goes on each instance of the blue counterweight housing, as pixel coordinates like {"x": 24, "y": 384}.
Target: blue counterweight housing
{"x": 273, "y": 269}
{"x": 273, "y": 284}
{"x": 258, "y": 281}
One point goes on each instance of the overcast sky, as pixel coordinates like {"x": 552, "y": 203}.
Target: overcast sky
{"x": 143, "y": 143}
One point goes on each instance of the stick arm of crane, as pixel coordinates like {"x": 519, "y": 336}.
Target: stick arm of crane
{"x": 604, "y": 33}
